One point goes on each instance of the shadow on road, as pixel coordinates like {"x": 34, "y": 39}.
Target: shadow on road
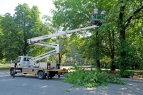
{"x": 35, "y": 77}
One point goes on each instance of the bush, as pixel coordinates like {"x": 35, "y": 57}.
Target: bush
{"x": 126, "y": 74}
{"x": 94, "y": 78}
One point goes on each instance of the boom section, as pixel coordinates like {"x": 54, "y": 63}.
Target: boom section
{"x": 37, "y": 39}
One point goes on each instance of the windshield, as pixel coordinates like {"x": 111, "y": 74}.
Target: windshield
{"x": 17, "y": 59}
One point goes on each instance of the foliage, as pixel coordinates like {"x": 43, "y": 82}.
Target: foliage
{"x": 16, "y": 29}
{"x": 75, "y": 14}
{"x": 119, "y": 38}
{"x": 126, "y": 74}
{"x": 10, "y": 38}
{"x": 80, "y": 77}
{"x": 28, "y": 22}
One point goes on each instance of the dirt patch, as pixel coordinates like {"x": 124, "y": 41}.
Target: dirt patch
{"x": 138, "y": 76}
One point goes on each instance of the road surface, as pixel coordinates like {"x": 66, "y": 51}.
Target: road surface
{"x": 31, "y": 85}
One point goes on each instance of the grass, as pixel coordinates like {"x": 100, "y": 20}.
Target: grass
{"x": 4, "y": 66}
{"x": 137, "y": 71}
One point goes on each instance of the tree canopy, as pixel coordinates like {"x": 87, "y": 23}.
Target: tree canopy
{"x": 115, "y": 44}
{"x": 113, "y": 38}
{"x": 16, "y": 29}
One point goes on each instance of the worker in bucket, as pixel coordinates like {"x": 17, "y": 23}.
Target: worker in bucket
{"x": 95, "y": 20}
{"x": 103, "y": 13}
{"x": 95, "y": 14}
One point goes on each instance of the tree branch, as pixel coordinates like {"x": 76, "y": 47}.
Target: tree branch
{"x": 134, "y": 13}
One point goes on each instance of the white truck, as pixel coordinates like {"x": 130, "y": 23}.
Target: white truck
{"x": 30, "y": 65}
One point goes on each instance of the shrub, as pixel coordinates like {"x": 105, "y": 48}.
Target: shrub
{"x": 126, "y": 74}
{"x": 94, "y": 78}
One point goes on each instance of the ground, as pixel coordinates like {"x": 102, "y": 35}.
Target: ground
{"x": 31, "y": 85}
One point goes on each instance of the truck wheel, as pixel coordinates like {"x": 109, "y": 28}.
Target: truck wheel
{"x": 40, "y": 74}
{"x": 11, "y": 72}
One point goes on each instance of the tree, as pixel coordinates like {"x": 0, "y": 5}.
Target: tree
{"x": 10, "y": 38}
{"x": 27, "y": 21}
{"x": 1, "y": 34}
{"x": 16, "y": 29}
{"x": 128, "y": 13}
{"x": 122, "y": 16}
{"x": 73, "y": 14}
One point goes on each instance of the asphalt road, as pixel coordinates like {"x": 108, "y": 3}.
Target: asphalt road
{"x": 31, "y": 85}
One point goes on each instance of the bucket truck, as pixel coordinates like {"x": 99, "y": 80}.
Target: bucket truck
{"x": 30, "y": 65}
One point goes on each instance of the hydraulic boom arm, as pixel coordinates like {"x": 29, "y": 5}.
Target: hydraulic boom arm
{"x": 37, "y": 39}
{"x": 50, "y": 53}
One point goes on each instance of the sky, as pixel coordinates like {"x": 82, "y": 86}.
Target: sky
{"x": 9, "y": 5}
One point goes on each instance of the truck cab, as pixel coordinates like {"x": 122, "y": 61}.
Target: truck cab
{"x": 23, "y": 61}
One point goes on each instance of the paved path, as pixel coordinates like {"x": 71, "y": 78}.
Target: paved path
{"x": 31, "y": 85}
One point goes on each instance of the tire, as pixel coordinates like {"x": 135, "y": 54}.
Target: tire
{"x": 51, "y": 74}
{"x": 41, "y": 75}
{"x": 11, "y": 72}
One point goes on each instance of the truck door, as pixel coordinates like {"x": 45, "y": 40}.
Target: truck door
{"x": 25, "y": 64}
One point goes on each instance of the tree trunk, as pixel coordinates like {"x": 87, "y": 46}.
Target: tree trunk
{"x": 122, "y": 39}
{"x": 112, "y": 49}
{"x": 113, "y": 67}
{"x": 60, "y": 58}
{"x": 97, "y": 51}
{"x": 25, "y": 42}
{"x": 25, "y": 47}
{"x": 98, "y": 63}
